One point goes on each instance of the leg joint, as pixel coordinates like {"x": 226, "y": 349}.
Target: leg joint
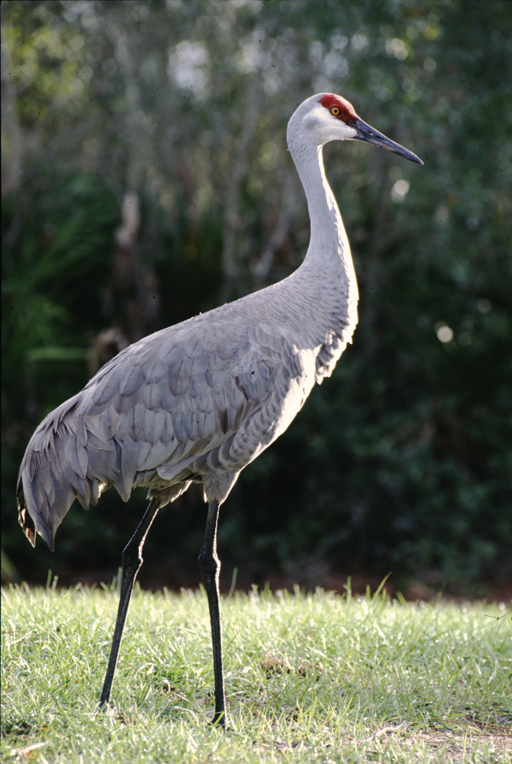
{"x": 209, "y": 563}
{"x": 132, "y": 557}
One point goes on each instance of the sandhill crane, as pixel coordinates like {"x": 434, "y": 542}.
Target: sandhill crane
{"x": 197, "y": 402}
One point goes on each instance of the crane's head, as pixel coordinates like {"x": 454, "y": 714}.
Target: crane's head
{"x": 328, "y": 117}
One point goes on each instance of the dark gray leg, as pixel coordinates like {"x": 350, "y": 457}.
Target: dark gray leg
{"x": 132, "y": 560}
{"x": 210, "y": 566}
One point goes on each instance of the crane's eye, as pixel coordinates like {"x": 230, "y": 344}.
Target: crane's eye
{"x": 335, "y": 111}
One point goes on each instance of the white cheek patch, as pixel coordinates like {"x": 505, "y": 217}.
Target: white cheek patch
{"x": 316, "y": 118}
{"x": 351, "y": 131}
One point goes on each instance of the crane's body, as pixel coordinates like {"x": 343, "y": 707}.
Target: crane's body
{"x": 195, "y": 402}
{"x": 198, "y": 401}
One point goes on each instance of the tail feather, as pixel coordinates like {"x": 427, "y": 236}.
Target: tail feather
{"x": 32, "y": 522}
{"x": 26, "y": 522}
{"x": 52, "y": 475}
{"x": 68, "y": 458}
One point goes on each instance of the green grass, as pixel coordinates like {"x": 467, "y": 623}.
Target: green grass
{"x": 309, "y": 678}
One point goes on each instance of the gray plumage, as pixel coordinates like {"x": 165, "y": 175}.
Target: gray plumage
{"x": 199, "y": 401}
{"x": 195, "y": 402}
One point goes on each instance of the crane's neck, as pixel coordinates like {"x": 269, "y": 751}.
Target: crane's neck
{"x": 328, "y": 234}
{"x": 328, "y": 259}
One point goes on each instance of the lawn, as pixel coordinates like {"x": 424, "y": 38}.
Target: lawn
{"x": 309, "y": 678}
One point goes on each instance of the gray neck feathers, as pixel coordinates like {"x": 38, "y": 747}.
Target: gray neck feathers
{"x": 328, "y": 269}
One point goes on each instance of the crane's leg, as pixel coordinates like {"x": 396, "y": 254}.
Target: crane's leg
{"x": 210, "y": 566}
{"x": 132, "y": 560}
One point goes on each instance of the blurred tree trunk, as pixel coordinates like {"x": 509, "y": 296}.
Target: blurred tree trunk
{"x": 231, "y": 261}
{"x": 12, "y": 135}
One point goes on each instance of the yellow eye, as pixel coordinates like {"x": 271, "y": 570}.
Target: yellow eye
{"x": 335, "y": 111}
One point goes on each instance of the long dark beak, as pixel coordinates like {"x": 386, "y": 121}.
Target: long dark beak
{"x": 368, "y": 134}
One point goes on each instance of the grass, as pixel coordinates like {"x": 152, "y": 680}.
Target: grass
{"x": 309, "y": 678}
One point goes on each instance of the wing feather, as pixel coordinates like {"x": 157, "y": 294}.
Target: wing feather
{"x": 174, "y": 403}
{"x": 153, "y": 394}
{"x": 131, "y": 382}
{"x": 177, "y": 378}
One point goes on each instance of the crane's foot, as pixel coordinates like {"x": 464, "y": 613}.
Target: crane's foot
{"x": 220, "y": 720}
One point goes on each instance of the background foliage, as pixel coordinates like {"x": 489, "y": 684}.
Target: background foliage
{"x": 401, "y": 461}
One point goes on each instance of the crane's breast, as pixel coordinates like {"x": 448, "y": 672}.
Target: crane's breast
{"x": 286, "y": 376}
{"x": 328, "y": 356}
